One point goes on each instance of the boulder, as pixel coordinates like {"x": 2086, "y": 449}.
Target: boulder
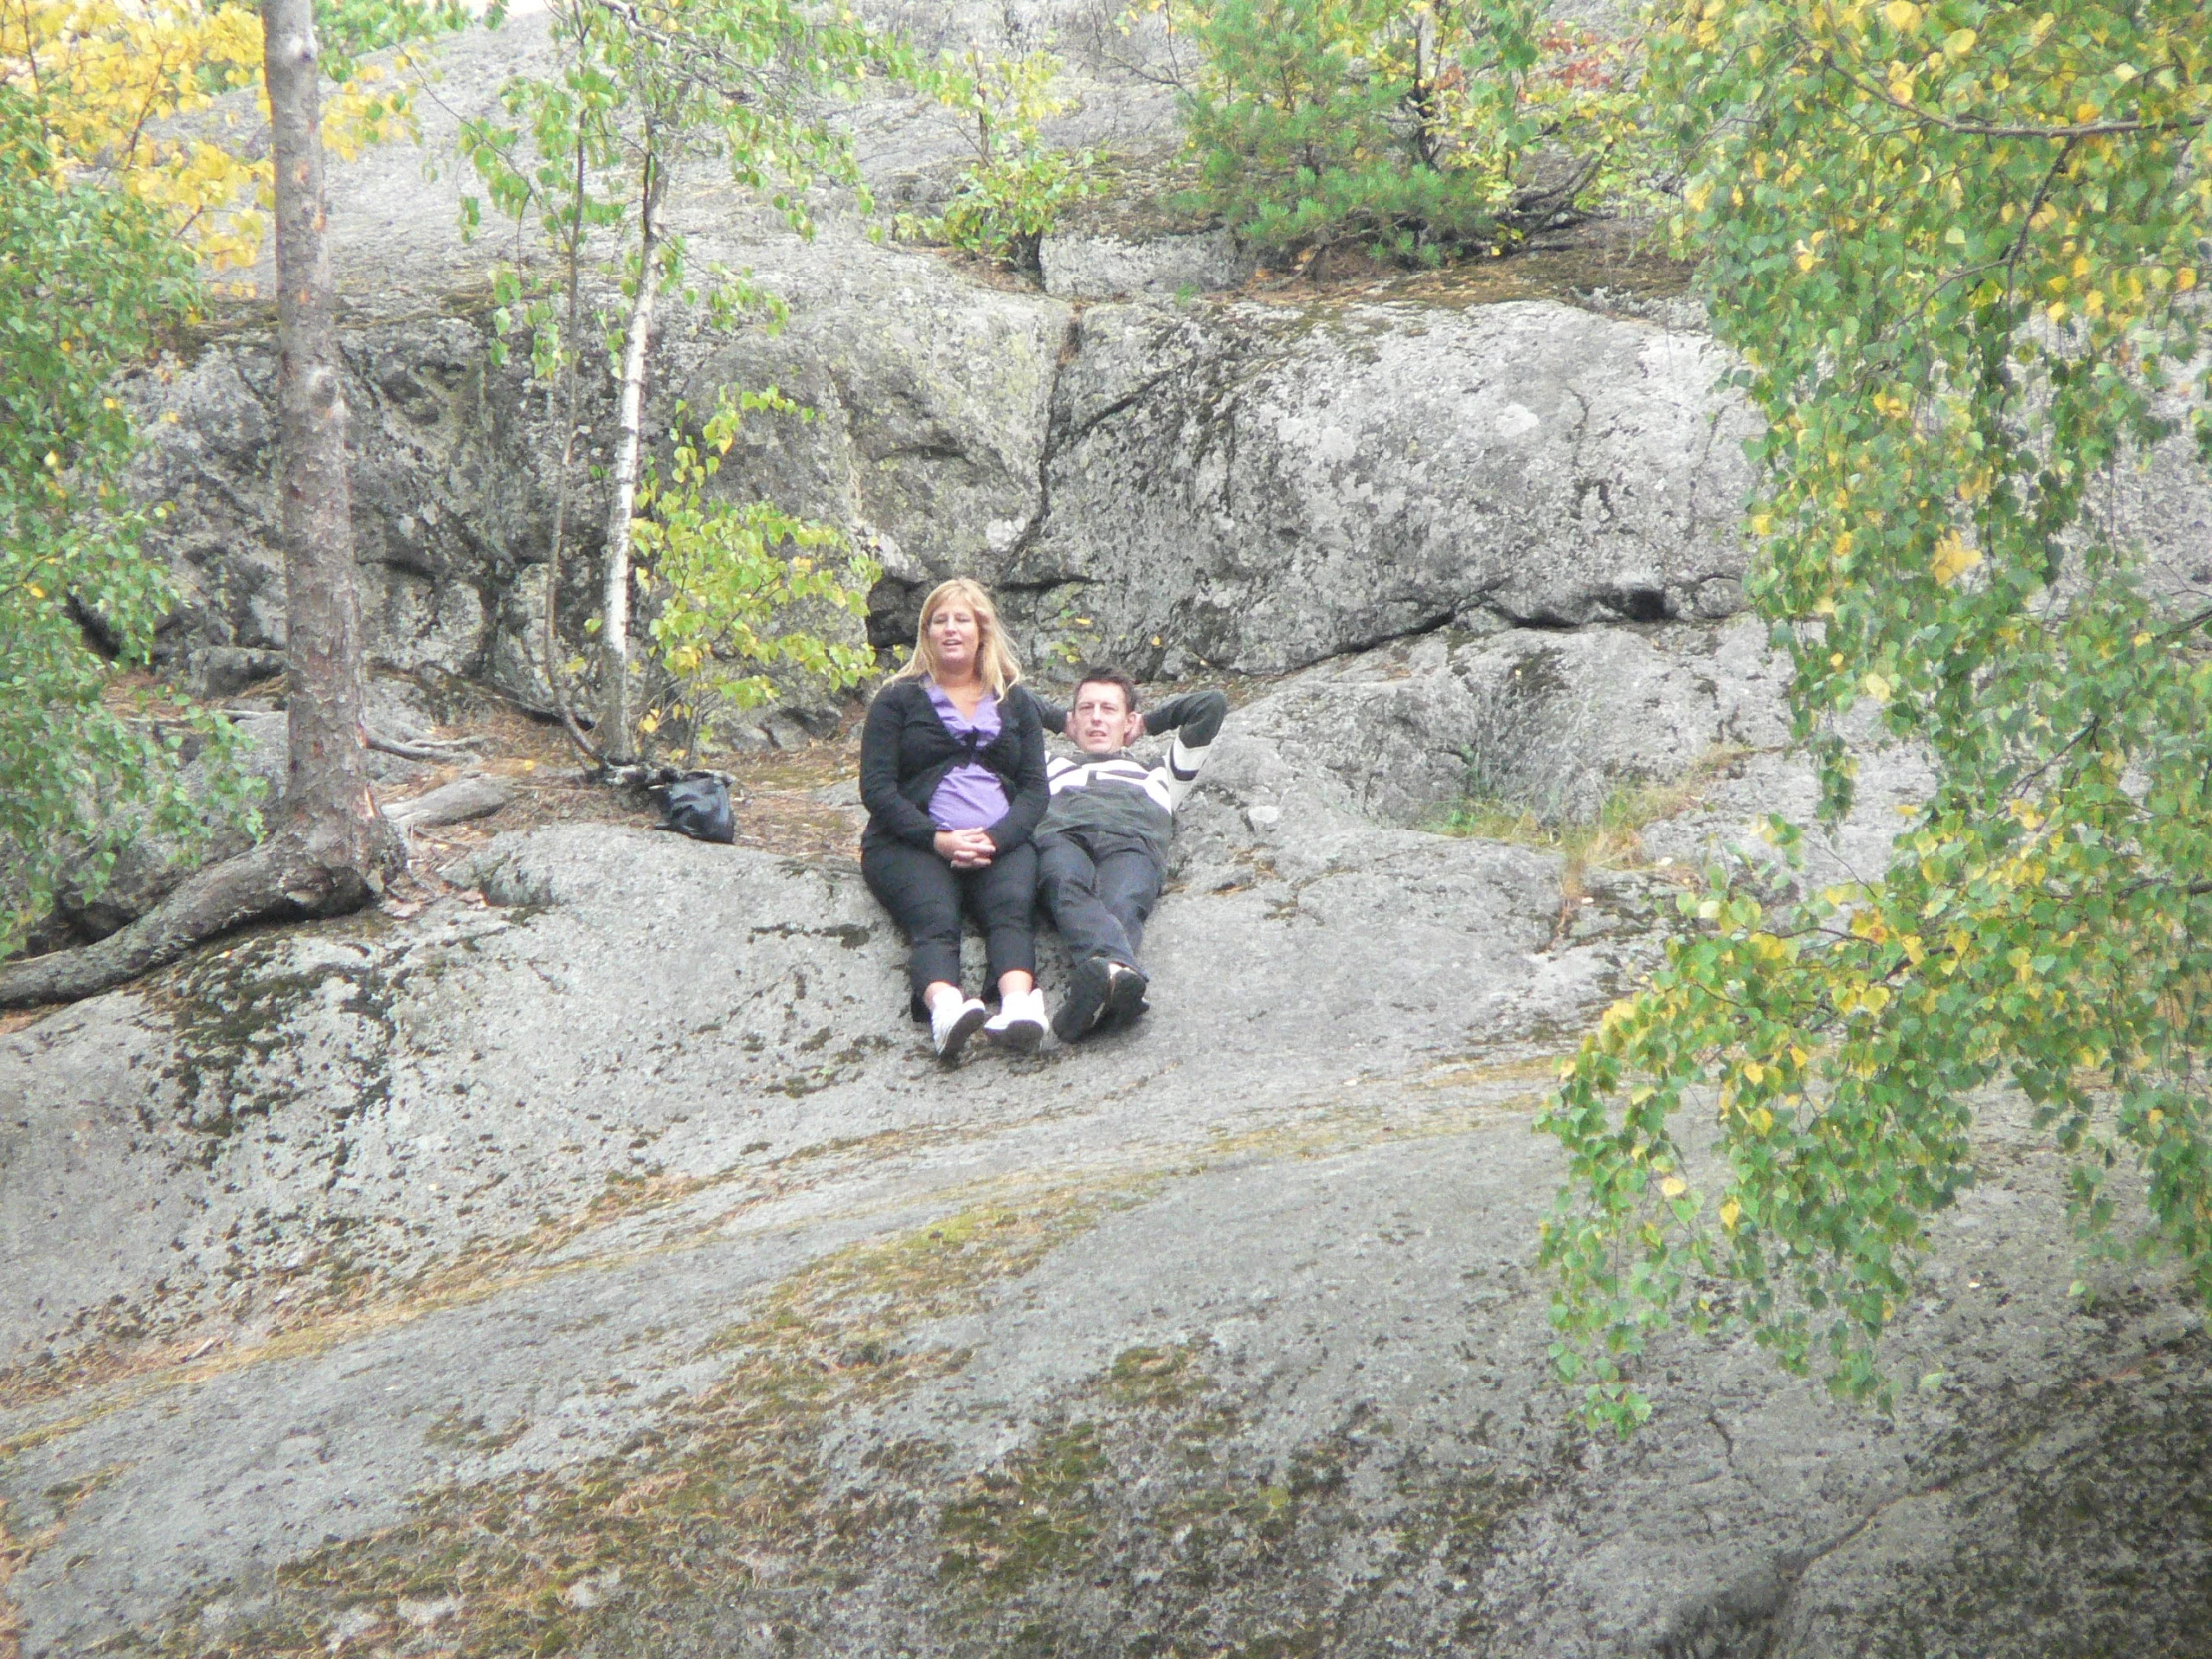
{"x": 1546, "y": 720}
{"x": 1098, "y": 264}
{"x": 149, "y": 866}
{"x": 1261, "y": 487}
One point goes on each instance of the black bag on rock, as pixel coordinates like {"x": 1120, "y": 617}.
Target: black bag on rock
{"x": 698, "y": 807}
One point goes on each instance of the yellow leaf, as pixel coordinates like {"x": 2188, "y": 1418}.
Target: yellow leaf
{"x": 1674, "y": 1186}
{"x": 37, "y": 592}
{"x": 1954, "y": 558}
{"x": 1730, "y": 1210}
{"x": 1903, "y": 16}
{"x": 2184, "y": 280}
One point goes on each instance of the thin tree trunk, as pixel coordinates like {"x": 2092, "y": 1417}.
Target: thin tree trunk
{"x": 331, "y": 850}
{"x": 328, "y": 802}
{"x": 572, "y": 340}
{"x": 614, "y": 732}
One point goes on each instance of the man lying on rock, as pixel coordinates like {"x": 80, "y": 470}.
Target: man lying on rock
{"x": 1102, "y": 849}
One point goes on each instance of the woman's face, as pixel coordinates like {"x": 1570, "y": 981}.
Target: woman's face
{"x": 956, "y": 633}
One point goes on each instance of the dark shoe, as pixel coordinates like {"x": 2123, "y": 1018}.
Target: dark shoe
{"x": 1124, "y": 998}
{"x": 1086, "y": 999}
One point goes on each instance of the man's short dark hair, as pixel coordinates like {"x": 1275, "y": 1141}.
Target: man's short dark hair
{"x": 1105, "y": 673}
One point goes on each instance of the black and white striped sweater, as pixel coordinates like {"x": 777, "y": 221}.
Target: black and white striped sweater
{"x": 1117, "y": 798}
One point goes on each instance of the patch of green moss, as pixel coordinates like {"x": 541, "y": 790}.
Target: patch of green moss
{"x": 685, "y": 1513}
{"x": 234, "y": 1013}
{"x": 456, "y": 1432}
{"x": 1155, "y": 1376}
{"x": 1022, "y": 1520}
{"x": 1105, "y": 1536}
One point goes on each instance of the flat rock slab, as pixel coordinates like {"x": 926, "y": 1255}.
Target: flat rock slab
{"x": 612, "y": 1256}
{"x": 464, "y": 798}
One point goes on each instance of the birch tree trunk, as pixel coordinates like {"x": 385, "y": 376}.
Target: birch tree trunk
{"x": 615, "y": 729}
{"x": 331, "y": 850}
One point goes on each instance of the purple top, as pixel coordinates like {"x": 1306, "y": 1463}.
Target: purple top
{"x": 970, "y": 796}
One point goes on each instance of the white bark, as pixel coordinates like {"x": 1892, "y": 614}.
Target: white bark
{"x": 614, "y": 719}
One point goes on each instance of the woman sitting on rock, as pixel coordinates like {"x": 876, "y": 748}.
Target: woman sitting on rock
{"x": 952, "y": 772}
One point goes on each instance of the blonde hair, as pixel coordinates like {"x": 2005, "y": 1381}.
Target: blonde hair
{"x": 996, "y": 661}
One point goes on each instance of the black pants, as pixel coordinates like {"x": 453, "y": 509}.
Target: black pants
{"x": 926, "y": 897}
{"x": 1098, "y": 894}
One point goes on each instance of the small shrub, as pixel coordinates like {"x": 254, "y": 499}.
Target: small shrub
{"x": 1414, "y": 128}
{"x": 1014, "y": 190}
{"x": 737, "y": 588}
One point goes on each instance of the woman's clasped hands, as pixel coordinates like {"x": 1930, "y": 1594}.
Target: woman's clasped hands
{"x": 966, "y": 849}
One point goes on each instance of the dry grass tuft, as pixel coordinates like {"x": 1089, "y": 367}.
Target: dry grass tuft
{"x": 1611, "y": 838}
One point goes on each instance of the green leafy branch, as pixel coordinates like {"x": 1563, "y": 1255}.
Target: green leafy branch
{"x": 1954, "y": 247}
{"x": 86, "y": 277}
{"x": 726, "y": 580}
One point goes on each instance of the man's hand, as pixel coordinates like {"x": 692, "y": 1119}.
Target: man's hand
{"x": 966, "y": 849}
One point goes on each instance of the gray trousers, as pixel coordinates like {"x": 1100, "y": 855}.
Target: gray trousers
{"x": 1098, "y": 899}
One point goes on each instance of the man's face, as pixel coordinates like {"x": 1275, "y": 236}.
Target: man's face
{"x": 1100, "y": 721}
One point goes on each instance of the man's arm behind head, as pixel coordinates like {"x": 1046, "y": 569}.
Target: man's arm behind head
{"x": 1193, "y": 717}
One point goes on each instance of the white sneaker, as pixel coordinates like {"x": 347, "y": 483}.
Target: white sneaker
{"x": 952, "y": 1022}
{"x": 1020, "y": 1023}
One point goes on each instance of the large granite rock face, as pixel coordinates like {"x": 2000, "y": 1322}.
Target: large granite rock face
{"x": 607, "y": 1263}
{"x": 1188, "y": 481}
{"x": 1238, "y": 487}
{"x": 1253, "y": 486}
{"x": 1260, "y": 488}
{"x": 598, "y": 1261}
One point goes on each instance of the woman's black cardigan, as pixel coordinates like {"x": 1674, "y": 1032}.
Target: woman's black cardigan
{"x": 906, "y": 749}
